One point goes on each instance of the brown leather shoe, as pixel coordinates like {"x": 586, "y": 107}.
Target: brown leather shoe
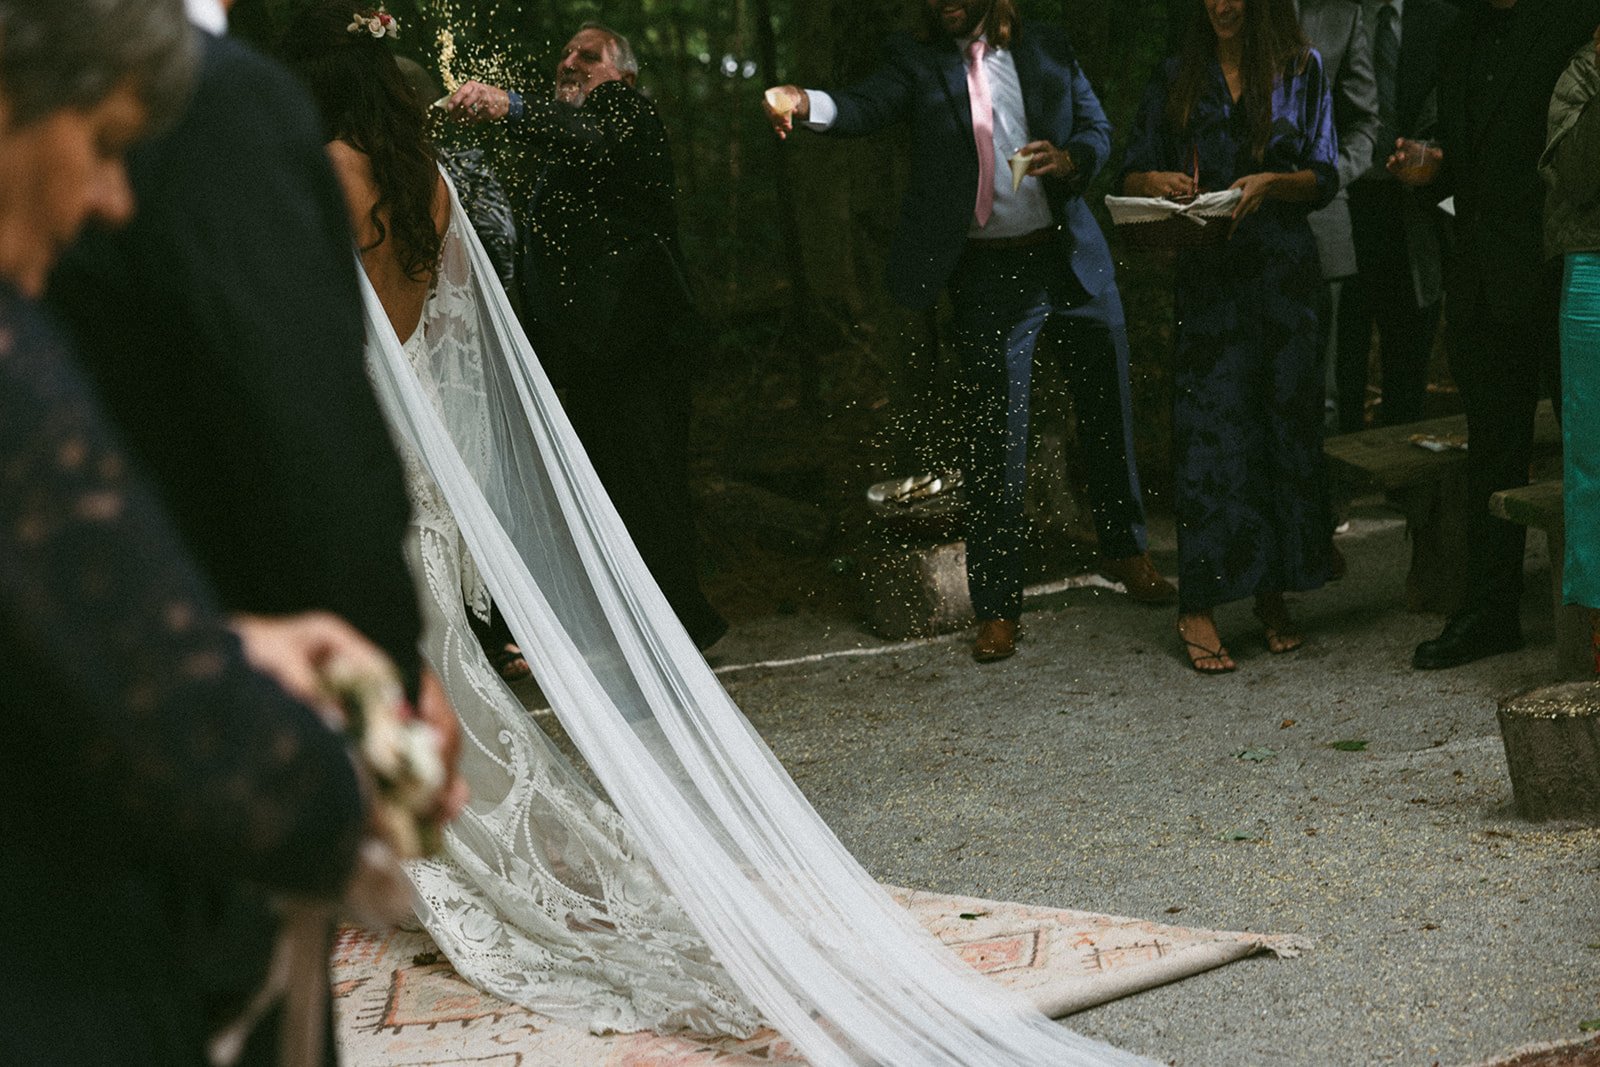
{"x": 997, "y": 640}
{"x": 1140, "y": 578}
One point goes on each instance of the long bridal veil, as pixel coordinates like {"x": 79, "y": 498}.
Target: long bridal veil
{"x": 718, "y": 868}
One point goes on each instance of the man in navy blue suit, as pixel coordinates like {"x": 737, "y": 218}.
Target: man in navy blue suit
{"x": 979, "y": 89}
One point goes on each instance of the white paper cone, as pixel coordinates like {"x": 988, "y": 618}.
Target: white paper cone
{"x": 1019, "y": 170}
{"x": 778, "y": 100}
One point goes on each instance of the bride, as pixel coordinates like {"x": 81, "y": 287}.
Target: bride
{"x": 711, "y": 897}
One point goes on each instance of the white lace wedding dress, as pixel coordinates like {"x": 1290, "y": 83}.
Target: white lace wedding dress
{"x": 712, "y": 897}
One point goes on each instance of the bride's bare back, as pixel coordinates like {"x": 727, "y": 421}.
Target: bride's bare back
{"x": 402, "y": 296}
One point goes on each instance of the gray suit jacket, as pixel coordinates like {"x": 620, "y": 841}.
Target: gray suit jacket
{"x": 1422, "y": 27}
{"x": 1338, "y": 31}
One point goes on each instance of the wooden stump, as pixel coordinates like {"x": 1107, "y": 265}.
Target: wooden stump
{"x": 914, "y": 583}
{"x": 1552, "y": 738}
{"x": 917, "y": 590}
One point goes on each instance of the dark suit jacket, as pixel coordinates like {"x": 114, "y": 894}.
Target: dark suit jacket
{"x": 224, "y": 329}
{"x": 925, "y": 83}
{"x": 1491, "y": 160}
{"x": 1423, "y": 24}
{"x": 601, "y": 231}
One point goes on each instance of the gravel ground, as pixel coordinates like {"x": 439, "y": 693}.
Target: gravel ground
{"x": 1095, "y": 770}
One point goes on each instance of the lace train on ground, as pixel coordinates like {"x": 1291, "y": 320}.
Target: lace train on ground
{"x": 719, "y": 887}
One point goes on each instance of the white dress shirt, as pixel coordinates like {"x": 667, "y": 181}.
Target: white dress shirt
{"x": 1015, "y": 213}
{"x": 208, "y": 15}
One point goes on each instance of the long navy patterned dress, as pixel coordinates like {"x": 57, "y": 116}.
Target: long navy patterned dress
{"x": 1247, "y": 406}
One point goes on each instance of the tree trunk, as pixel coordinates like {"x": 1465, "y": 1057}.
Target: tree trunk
{"x": 801, "y": 312}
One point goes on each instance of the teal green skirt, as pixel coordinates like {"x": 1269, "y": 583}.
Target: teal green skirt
{"x": 1580, "y": 426}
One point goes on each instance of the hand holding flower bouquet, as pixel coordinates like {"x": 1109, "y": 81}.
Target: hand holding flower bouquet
{"x": 404, "y": 757}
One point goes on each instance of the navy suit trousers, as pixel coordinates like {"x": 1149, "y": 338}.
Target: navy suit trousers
{"x": 1004, "y": 299}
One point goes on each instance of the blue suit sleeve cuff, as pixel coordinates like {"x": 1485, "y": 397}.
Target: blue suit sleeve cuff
{"x": 1086, "y": 158}
{"x": 514, "y": 106}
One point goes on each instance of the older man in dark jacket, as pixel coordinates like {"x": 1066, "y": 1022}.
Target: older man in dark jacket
{"x": 603, "y": 292}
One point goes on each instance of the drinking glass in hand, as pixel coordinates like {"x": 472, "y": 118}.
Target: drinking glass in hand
{"x": 1415, "y": 162}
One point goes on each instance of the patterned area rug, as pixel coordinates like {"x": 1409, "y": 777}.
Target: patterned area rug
{"x": 400, "y": 1004}
{"x": 1579, "y": 1052}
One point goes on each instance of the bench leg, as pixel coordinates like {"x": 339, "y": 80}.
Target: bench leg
{"x": 1575, "y": 655}
{"x": 1436, "y": 521}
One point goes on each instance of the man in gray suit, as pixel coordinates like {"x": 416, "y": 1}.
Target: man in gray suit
{"x": 1338, "y": 30}
{"x": 1401, "y": 281}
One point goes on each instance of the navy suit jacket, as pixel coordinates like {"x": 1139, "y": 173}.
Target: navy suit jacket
{"x": 925, "y": 83}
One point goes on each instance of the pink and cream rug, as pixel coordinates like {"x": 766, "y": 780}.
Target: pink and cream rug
{"x": 399, "y": 1003}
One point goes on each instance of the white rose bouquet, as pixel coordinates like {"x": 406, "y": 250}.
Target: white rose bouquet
{"x": 399, "y": 754}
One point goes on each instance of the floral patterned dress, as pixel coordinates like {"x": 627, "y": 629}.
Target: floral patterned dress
{"x": 1247, "y": 380}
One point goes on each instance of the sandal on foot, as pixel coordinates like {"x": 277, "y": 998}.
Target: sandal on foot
{"x": 1217, "y": 655}
{"x": 509, "y": 663}
{"x": 1275, "y": 634}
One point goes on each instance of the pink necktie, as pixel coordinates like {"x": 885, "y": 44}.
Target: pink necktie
{"x": 982, "y": 129}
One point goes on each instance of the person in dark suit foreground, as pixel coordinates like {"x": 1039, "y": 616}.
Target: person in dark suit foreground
{"x": 1498, "y": 68}
{"x": 603, "y": 293}
{"x": 1013, "y": 261}
{"x": 223, "y": 329}
{"x": 140, "y": 755}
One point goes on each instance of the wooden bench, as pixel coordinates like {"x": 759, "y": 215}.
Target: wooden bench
{"x": 1430, "y": 490}
{"x": 1540, "y": 507}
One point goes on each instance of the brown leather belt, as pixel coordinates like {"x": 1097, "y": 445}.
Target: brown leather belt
{"x": 1036, "y": 239}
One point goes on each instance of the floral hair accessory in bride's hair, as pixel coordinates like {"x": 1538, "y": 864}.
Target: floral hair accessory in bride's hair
{"x": 379, "y": 23}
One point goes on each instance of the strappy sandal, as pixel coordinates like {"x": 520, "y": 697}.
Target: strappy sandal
{"x": 509, "y": 663}
{"x": 1275, "y": 634}
{"x": 1220, "y": 660}
{"x": 1215, "y": 654}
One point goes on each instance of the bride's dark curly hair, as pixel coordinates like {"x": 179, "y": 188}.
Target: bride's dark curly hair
{"x": 365, "y": 101}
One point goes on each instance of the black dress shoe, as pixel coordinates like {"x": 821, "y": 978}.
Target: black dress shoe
{"x": 1470, "y": 635}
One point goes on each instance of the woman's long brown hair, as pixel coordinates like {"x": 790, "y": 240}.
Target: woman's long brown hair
{"x": 1274, "y": 45}
{"x": 365, "y": 100}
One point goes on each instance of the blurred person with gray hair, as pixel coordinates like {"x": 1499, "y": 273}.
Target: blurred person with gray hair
{"x": 144, "y": 765}
{"x": 223, "y": 330}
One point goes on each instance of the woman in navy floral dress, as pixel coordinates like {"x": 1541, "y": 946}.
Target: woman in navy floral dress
{"x": 1245, "y": 105}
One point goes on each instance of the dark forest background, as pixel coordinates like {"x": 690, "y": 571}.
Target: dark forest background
{"x": 811, "y": 384}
